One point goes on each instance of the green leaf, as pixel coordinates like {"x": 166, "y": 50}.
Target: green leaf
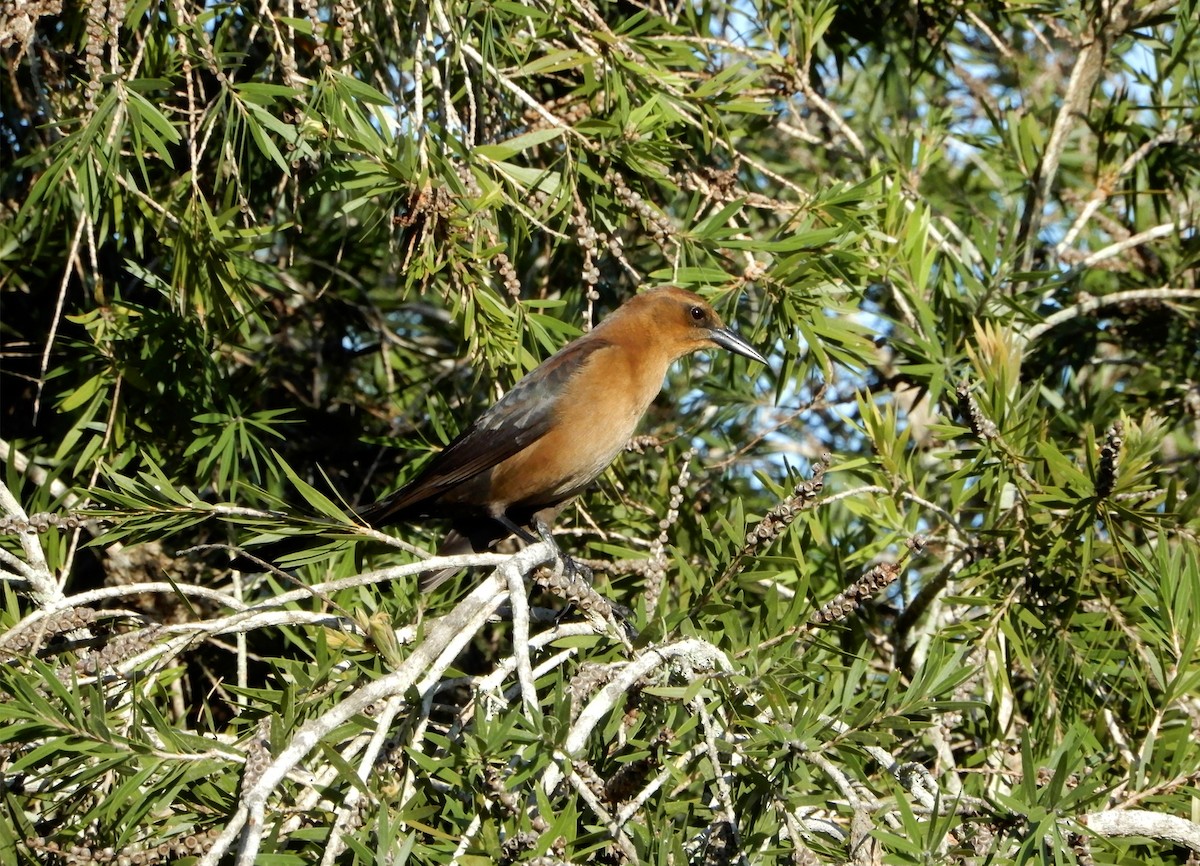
{"x": 511, "y": 147}
{"x": 311, "y": 495}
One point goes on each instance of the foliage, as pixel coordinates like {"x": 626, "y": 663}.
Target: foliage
{"x": 257, "y": 259}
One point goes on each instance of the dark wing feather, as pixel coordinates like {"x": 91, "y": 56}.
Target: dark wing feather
{"x": 518, "y": 419}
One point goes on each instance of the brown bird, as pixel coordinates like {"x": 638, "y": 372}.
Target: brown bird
{"x": 559, "y": 428}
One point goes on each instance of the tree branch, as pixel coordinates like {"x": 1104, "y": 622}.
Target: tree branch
{"x": 1114, "y": 20}
{"x": 1137, "y": 822}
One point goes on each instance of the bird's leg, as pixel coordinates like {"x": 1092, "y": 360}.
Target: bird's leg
{"x": 579, "y": 593}
{"x": 571, "y": 568}
{"x": 520, "y": 531}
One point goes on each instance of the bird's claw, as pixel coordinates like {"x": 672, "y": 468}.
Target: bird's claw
{"x": 582, "y": 577}
{"x": 577, "y": 570}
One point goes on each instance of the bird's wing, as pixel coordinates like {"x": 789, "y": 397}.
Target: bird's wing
{"x": 518, "y": 419}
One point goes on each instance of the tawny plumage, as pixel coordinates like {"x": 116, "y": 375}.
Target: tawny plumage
{"x": 559, "y": 428}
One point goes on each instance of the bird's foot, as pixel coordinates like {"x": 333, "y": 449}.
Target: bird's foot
{"x": 575, "y": 584}
{"x": 582, "y": 598}
{"x": 571, "y": 569}
{"x": 577, "y": 570}
{"x": 623, "y": 616}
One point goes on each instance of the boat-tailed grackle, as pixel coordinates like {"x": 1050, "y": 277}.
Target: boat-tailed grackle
{"x": 516, "y": 467}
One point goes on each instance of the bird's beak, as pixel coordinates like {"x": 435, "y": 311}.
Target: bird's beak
{"x": 727, "y": 339}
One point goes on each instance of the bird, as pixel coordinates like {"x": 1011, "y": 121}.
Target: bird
{"x": 545, "y": 441}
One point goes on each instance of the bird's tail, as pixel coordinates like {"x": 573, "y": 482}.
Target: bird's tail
{"x": 454, "y": 544}
{"x": 398, "y": 507}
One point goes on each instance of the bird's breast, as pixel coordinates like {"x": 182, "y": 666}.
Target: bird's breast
{"x": 596, "y": 417}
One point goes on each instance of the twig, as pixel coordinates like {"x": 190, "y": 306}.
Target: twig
{"x": 1000, "y": 44}
{"x": 1103, "y": 190}
{"x": 519, "y": 602}
{"x": 1152, "y": 825}
{"x": 801, "y": 80}
{"x": 72, "y": 260}
{"x": 585, "y": 792}
{"x": 1113, "y": 20}
{"x": 521, "y": 94}
{"x": 1091, "y": 304}
{"x": 1108, "y": 252}
{"x": 724, "y": 793}
{"x": 36, "y": 474}
{"x": 444, "y": 640}
{"x": 45, "y": 589}
{"x": 699, "y": 655}
{"x": 366, "y": 764}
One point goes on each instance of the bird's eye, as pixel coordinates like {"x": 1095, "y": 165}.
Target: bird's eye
{"x": 697, "y": 314}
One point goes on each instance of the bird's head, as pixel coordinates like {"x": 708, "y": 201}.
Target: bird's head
{"x": 683, "y": 322}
